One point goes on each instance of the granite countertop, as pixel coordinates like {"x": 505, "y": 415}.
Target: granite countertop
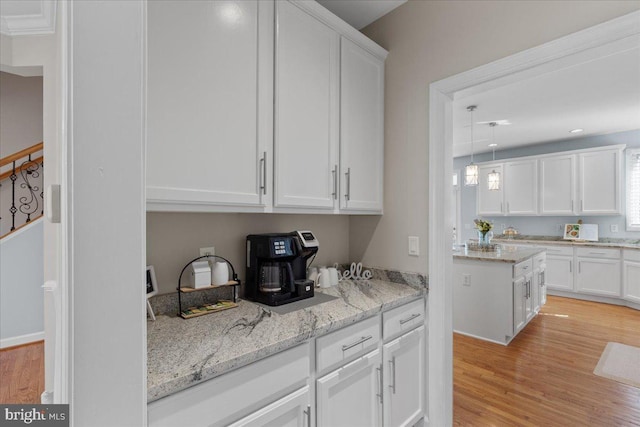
{"x": 512, "y": 256}
{"x": 558, "y": 240}
{"x": 182, "y": 353}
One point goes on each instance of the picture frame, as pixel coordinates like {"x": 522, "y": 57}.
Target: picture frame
{"x": 152, "y": 283}
{"x": 151, "y": 288}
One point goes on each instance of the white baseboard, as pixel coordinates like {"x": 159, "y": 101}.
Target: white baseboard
{"x": 22, "y": 339}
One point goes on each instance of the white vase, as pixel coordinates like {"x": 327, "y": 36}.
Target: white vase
{"x": 220, "y": 273}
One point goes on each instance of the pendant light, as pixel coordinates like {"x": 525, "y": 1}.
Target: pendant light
{"x": 493, "y": 179}
{"x": 471, "y": 170}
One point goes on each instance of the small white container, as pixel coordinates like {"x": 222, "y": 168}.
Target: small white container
{"x": 200, "y": 275}
{"x": 220, "y": 274}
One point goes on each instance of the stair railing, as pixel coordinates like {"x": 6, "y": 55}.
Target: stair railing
{"x": 27, "y": 198}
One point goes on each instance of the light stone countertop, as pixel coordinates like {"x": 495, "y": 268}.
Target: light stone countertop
{"x": 512, "y": 256}
{"x": 185, "y": 352}
{"x": 605, "y": 242}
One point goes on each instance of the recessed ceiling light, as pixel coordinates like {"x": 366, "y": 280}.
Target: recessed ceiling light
{"x": 493, "y": 145}
{"x": 576, "y": 130}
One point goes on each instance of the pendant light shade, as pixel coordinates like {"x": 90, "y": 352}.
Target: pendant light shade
{"x": 493, "y": 178}
{"x": 471, "y": 174}
{"x": 471, "y": 170}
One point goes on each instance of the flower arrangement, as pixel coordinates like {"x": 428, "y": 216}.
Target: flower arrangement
{"x": 483, "y": 226}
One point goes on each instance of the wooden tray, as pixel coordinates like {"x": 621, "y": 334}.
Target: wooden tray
{"x": 229, "y": 283}
{"x": 207, "y": 309}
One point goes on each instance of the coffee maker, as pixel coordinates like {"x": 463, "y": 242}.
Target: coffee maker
{"x": 277, "y": 267}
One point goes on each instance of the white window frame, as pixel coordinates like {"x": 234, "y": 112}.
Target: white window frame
{"x": 633, "y": 189}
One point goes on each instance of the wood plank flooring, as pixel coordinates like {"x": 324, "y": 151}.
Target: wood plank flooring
{"x": 22, "y": 373}
{"x": 545, "y": 376}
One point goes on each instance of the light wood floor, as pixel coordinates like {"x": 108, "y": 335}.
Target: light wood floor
{"x": 545, "y": 376}
{"x": 22, "y": 373}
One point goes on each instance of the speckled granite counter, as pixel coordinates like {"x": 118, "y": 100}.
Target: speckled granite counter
{"x": 182, "y": 353}
{"x": 502, "y": 255}
{"x": 557, "y": 240}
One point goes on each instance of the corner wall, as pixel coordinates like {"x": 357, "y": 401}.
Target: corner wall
{"x": 429, "y": 41}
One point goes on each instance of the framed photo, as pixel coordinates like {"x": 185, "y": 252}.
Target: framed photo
{"x": 152, "y": 284}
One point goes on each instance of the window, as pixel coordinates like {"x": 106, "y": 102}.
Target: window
{"x": 633, "y": 190}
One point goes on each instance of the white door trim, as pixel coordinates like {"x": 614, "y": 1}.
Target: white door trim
{"x": 613, "y": 36}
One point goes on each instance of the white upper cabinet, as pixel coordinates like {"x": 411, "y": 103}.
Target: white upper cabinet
{"x": 599, "y": 182}
{"x": 361, "y": 129}
{"x": 209, "y": 103}
{"x": 521, "y": 187}
{"x": 490, "y": 202}
{"x": 557, "y": 185}
{"x": 580, "y": 182}
{"x": 307, "y": 68}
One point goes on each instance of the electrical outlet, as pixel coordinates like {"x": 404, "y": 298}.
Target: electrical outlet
{"x": 208, "y": 251}
{"x": 466, "y": 280}
{"x": 614, "y": 228}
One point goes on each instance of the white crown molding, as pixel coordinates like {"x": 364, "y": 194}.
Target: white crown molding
{"x": 22, "y": 25}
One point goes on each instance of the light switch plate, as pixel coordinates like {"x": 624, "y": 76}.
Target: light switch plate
{"x": 414, "y": 246}
{"x": 614, "y": 228}
{"x": 208, "y": 251}
{"x": 466, "y": 280}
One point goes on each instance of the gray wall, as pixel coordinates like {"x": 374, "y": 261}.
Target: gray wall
{"x": 429, "y": 41}
{"x": 21, "y": 279}
{"x": 173, "y": 239}
{"x": 543, "y": 225}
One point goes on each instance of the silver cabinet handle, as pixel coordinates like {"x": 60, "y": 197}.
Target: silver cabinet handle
{"x": 597, "y": 253}
{"x": 508, "y": 210}
{"x": 307, "y": 412}
{"x": 392, "y": 364}
{"x": 570, "y": 266}
{"x": 334, "y": 172}
{"x": 544, "y": 278}
{"x": 348, "y": 192}
{"x": 263, "y": 176}
{"x": 379, "y": 394}
{"x": 409, "y": 319}
{"x": 571, "y": 205}
{"x": 501, "y": 210}
{"x": 579, "y": 267}
{"x": 360, "y": 341}
{"x": 525, "y": 267}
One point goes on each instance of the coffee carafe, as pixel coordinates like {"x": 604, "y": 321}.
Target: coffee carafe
{"x": 275, "y": 276}
{"x": 277, "y": 267}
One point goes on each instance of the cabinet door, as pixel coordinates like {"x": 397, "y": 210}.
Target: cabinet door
{"x": 306, "y": 110}
{"x": 557, "y": 185}
{"x": 209, "y": 127}
{"x": 535, "y": 291}
{"x": 351, "y": 396}
{"x": 599, "y": 182}
{"x": 293, "y": 410}
{"x": 361, "y": 129}
{"x": 632, "y": 281}
{"x": 404, "y": 379}
{"x": 542, "y": 288}
{"x": 490, "y": 202}
{"x": 519, "y": 304}
{"x": 521, "y": 187}
{"x": 599, "y": 276}
{"x": 559, "y": 272}
{"x": 529, "y": 301}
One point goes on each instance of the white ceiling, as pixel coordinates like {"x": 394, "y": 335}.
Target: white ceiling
{"x": 360, "y": 13}
{"x": 601, "y": 96}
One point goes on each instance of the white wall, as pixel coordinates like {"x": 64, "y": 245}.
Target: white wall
{"x": 21, "y": 297}
{"x": 428, "y": 41}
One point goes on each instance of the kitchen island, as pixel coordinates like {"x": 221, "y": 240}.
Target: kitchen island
{"x": 495, "y": 294}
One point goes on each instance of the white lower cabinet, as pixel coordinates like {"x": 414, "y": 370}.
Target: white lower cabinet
{"x": 519, "y": 304}
{"x": 403, "y": 360}
{"x": 351, "y": 396}
{"x": 631, "y": 276}
{"x": 293, "y": 410}
{"x": 559, "y": 268}
{"x": 598, "y": 271}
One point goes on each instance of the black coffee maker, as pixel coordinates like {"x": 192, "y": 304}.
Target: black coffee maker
{"x": 277, "y": 267}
